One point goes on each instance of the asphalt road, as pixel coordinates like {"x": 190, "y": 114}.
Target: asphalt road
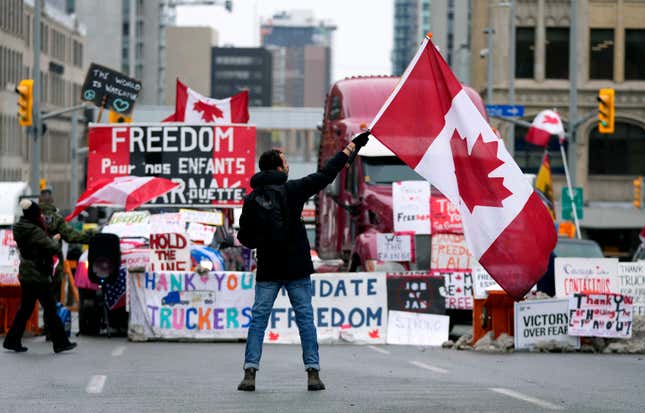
{"x": 114, "y": 375}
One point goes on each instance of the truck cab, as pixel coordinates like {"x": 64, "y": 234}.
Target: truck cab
{"x": 358, "y": 204}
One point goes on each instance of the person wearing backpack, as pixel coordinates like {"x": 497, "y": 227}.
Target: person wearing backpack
{"x": 271, "y": 222}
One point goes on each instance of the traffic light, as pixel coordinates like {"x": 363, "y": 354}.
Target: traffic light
{"x": 606, "y": 110}
{"x": 25, "y": 102}
{"x": 228, "y": 5}
{"x": 115, "y": 117}
{"x": 638, "y": 192}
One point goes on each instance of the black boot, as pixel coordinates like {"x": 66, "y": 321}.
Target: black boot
{"x": 17, "y": 347}
{"x": 248, "y": 382}
{"x": 313, "y": 380}
{"x": 66, "y": 347}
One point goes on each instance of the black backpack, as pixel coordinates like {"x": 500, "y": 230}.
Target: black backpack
{"x": 264, "y": 219}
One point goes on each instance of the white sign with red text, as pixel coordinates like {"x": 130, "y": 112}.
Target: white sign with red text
{"x": 201, "y": 233}
{"x": 586, "y": 275}
{"x": 450, "y": 252}
{"x": 170, "y": 252}
{"x": 9, "y": 258}
{"x": 411, "y": 206}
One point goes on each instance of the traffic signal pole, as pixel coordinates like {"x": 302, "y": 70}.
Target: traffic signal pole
{"x": 573, "y": 89}
{"x": 36, "y": 148}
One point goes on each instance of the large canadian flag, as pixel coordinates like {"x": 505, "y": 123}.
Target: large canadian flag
{"x": 545, "y": 124}
{"x": 431, "y": 123}
{"x": 192, "y": 107}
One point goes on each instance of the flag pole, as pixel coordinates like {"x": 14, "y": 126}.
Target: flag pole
{"x": 573, "y": 206}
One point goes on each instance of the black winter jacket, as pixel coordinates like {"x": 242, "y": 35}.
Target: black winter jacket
{"x": 292, "y": 260}
{"x": 37, "y": 250}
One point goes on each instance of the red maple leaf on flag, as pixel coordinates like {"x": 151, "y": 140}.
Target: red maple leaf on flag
{"x": 550, "y": 119}
{"x": 273, "y": 336}
{"x": 209, "y": 112}
{"x": 472, "y": 170}
{"x": 374, "y": 334}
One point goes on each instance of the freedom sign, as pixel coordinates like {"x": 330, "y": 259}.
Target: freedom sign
{"x": 411, "y": 206}
{"x": 185, "y": 305}
{"x": 212, "y": 163}
{"x": 348, "y": 307}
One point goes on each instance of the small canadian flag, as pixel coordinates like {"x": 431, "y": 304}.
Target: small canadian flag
{"x": 192, "y": 107}
{"x": 545, "y": 124}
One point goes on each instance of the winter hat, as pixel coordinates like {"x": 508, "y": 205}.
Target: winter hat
{"x": 30, "y": 209}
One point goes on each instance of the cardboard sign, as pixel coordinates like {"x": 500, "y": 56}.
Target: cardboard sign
{"x": 411, "y": 206}
{"x": 631, "y": 282}
{"x": 585, "y": 275}
{"x": 168, "y": 222}
{"x": 395, "y": 247}
{"x": 542, "y": 320}
{"x": 458, "y": 289}
{"x": 482, "y": 281}
{"x": 9, "y": 258}
{"x": 415, "y": 292}
{"x": 212, "y": 164}
{"x": 600, "y": 315}
{"x": 170, "y": 252}
{"x": 449, "y": 252}
{"x": 417, "y": 329}
{"x": 184, "y": 305}
{"x": 444, "y": 216}
{"x": 201, "y": 233}
{"x": 110, "y": 89}
{"x": 348, "y": 307}
{"x": 203, "y": 217}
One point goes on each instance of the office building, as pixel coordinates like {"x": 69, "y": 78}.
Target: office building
{"x": 237, "y": 68}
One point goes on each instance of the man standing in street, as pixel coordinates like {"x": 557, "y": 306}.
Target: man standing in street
{"x": 285, "y": 260}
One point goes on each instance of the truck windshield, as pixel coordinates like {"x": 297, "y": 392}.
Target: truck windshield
{"x": 383, "y": 170}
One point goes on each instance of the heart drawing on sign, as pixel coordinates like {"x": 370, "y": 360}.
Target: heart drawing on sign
{"x": 120, "y": 105}
{"x": 89, "y": 95}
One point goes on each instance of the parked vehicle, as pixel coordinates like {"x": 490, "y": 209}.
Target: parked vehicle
{"x": 358, "y": 204}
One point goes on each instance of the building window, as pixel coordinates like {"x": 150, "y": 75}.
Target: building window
{"x": 621, "y": 153}
{"x": 525, "y": 48}
{"x": 601, "y": 54}
{"x": 529, "y": 156}
{"x": 634, "y": 54}
{"x": 557, "y": 53}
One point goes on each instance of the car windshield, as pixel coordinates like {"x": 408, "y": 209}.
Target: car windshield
{"x": 383, "y": 170}
{"x": 572, "y": 248}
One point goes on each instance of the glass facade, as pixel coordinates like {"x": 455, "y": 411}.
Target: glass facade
{"x": 601, "y": 54}
{"x": 525, "y": 52}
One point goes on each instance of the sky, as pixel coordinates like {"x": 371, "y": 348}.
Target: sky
{"x": 362, "y": 41}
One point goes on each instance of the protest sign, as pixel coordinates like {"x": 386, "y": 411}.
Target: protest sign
{"x": 450, "y": 252}
{"x": 395, "y": 247}
{"x": 212, "y": 164}
{"x": 539, "y": 321}
{"x": 203, "y": 217}
{"x": 348, "y": 307}
{"x": 184, "y": 305}
{"x": 133, "y": 224}
{"x": 417, "y": 329}
{"x": 631, "y": 282}
{"x": 411, "y": 206}
{"x": 482, "y": 281}
{"x": 585, "y": 275}
{"x": 415, "y": 292}
{"x": 457, "y": 289}
{"x": 201, "y": 233}
{"x": 600, "y": 315}
{"x": 444, "y": 216}
{"x": 167, "y": 222}
{"x": 110, "y": 89}
{"x": 169, "y": 252}
{"x": 130, "y": 217}
{"x": 9, "y": 258}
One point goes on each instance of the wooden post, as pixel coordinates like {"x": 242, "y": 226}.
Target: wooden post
{"x": 103, "y": 101}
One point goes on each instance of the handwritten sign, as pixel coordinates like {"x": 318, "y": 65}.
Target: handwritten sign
{"x": 167, "y": 222}
{"x": 449, "y": 252}
{"x": 539, "y": 321}
{"x": 130, "y": 217}
{"x": 411, "y": 206}
{"x": 415, "y": 292}
{"x": 585, "y": 275}
{"x": 417, "y": 329}
{"x": 201, "y": 233}
{"x": 184, "y": 305}
{"x": 444, "y": 216}
{"x": 170, "y": 252}
{"x": 600, "y": 315}
{"x": 203, "y": 217}
{"x": 110, "y": 89}
{"x": 631, "y": 282}
{"x": 9, "y": 258}
{"x": 458, "y": 289}
{"x": 482, "y": 281}
{"x": 348, "y": 307}
{"x": 395, "y": 247}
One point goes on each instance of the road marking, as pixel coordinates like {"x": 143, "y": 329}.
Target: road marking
{"x": 95, "y": 386}
{"x": 118, "y": 351}
{"x": 516, "y": 395}
{"x": 379, "y": 350}
{"x": 429, "y": 367}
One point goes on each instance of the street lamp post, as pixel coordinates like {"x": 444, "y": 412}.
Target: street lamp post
{"x": 511, "y": 74}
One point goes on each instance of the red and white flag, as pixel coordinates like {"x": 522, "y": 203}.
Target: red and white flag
{"x": 192, "y": 107}
{"x": 545, "y": 124}
{"x": 432, "y": 124}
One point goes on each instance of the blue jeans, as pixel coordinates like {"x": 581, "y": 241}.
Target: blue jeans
{"x": 300, "y": 297}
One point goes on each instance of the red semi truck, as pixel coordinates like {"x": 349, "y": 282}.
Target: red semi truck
{"x": 358, "y": 204}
